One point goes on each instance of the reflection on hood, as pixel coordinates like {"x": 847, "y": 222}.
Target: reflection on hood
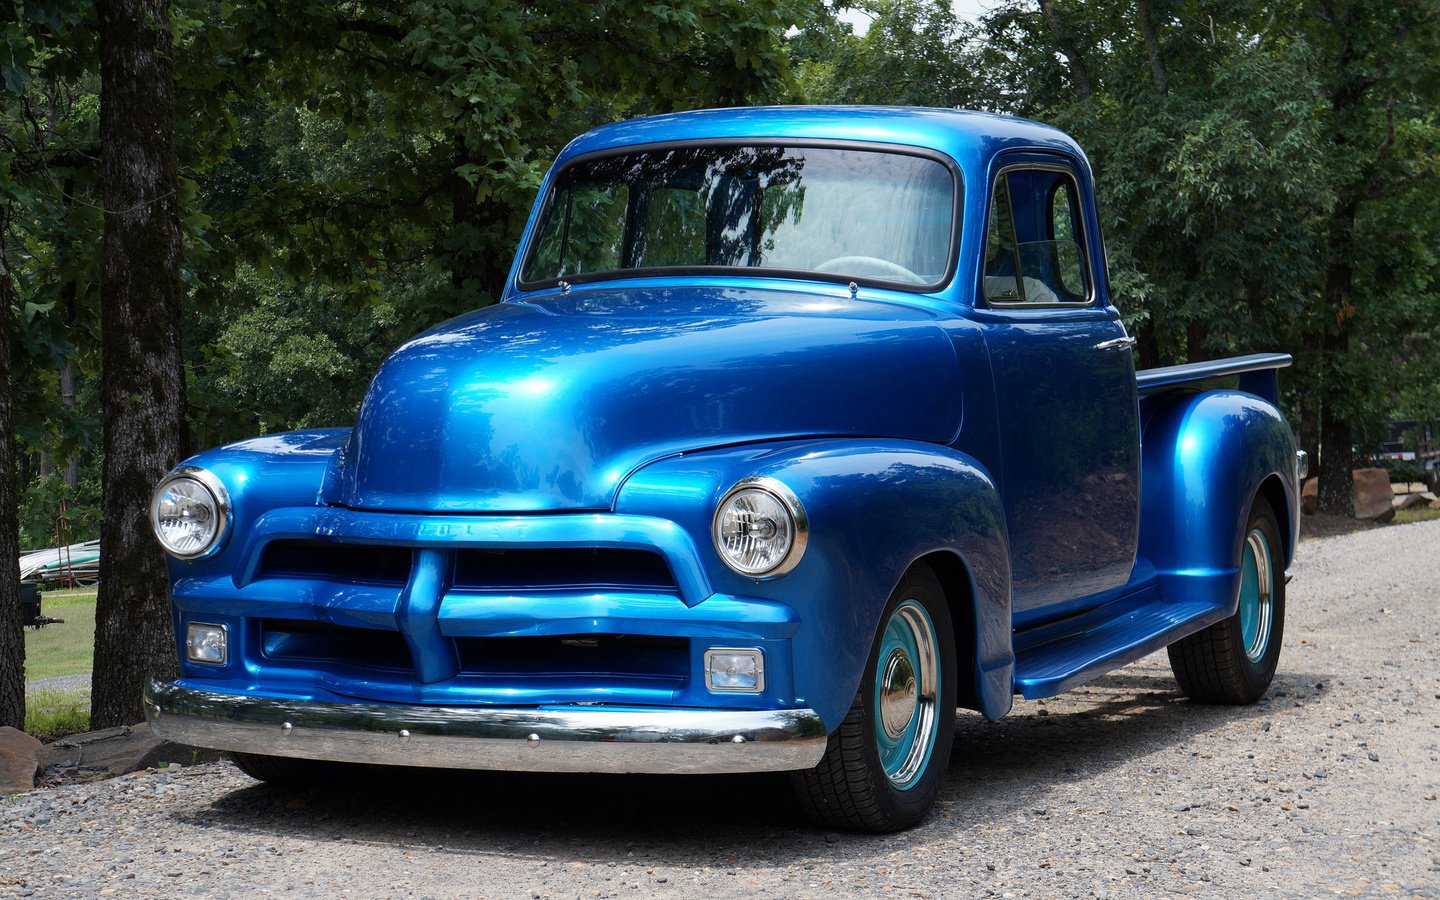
{"x": 549, "y": 407}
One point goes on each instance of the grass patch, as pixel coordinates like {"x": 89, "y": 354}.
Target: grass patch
{"x": 53, "y": 714}
{"x": 1416, "y": 514}
{"x": 62, "y": 649}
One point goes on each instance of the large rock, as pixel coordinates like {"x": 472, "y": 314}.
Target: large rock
{"x": 1310, "y": 496}
{"x": 1373, "y": 497}
{"x": 1408, "y": 487}
{"x": 119, "y": 751}
{"x": 1405, "y": 501}
{"x": 17, "y": 761}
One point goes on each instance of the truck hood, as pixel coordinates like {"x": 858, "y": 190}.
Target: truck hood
{"x": 550, "y": 406}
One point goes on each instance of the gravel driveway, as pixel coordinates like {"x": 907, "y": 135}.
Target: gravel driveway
{"x": 1118, "y": 790}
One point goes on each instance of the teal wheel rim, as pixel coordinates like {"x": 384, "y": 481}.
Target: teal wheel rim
{"x": 1257, "y": 595}
{"x": 907, "y": 678}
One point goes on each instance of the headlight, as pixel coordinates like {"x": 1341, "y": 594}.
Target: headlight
{"x": 760, "y": 529}
{"x": 190, "y": 513}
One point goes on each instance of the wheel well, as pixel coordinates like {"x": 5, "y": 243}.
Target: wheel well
{"x": 1273, "y": 491}
{"x": 955, "y": 580}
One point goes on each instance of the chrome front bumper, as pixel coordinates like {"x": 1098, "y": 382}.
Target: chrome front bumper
{"x": 568, "y": 739}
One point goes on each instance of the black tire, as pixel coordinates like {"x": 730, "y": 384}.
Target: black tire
{"x": 285, "y": 770}
{"x": 851, "y": 787}
{"x": 1234, "y": 660}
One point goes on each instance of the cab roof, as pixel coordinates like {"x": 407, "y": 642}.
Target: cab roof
{"x": 970, "y": 138}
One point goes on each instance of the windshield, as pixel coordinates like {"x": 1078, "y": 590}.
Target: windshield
{"x": 842, "y": 212}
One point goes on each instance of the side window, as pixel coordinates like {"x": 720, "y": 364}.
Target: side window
{"x": 1034, "y": 246}
{"x": 1001, "y": 263}
{"x": 1069, "y": 262}
{"x": 590, "y": 236}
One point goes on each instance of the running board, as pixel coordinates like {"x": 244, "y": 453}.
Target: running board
{"x": 1052, "y": 660}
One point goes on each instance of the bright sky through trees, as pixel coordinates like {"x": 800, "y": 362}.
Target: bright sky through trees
{"x": 968, "y": 10}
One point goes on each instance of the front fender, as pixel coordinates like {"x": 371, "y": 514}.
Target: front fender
{"x": 260, "y": 474}
{"x": 874, "y": 508}
{"x": 1205, "y": 457}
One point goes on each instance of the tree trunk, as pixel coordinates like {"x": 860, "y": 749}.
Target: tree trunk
{"x": 71, "y": 472}
{"x": 1147, "y": 348}
{"x": 1064, "y": 41}
{"x": 1337, "y": 480}
{"x": 1152, "y": 46}
{"x": 12, "y": 633}
{"x": 1309, "y": 397}
{"x": 1195, "y": 336}
{"x": 143, "y": 394}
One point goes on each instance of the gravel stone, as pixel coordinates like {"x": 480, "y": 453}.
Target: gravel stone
{"x": 1125, "y": 791}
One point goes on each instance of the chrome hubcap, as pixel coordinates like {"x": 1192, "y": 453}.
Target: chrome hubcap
{"x": 899, "y": 694}
{"x": 906, "y": 694}
{"x": 1256, "y": 596}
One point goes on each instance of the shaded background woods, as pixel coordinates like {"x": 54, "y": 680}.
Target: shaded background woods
{"x": 348, "y": 174}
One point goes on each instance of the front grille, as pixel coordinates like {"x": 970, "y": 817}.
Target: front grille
{"x": 561, "y": 568}
{"x": 377, "y": 662}
{"x": 306, "y": 640}
{"x": 555, "y": 667}
{"x": 586, "y": 568}
{"x": 332, "y": 561}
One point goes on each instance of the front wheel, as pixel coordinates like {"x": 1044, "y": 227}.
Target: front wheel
{"x": 883, "y": 766}
{"x": 1234, "y": 660}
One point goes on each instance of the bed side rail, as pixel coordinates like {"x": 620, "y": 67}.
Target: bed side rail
{"x": 1256, "y": 373}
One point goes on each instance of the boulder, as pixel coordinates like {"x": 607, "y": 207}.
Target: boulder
{"x": 1435, "y": 504}
{"x": 1405, "y": 501}
{"x": 17, "y": 761}
{"x": 120, "y": 751}
{"x": 1373, "y": 497}
{"x": 1310, "y": 496}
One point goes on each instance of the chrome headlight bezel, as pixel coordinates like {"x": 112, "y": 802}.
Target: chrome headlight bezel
{"x": 219, "y": 501}
{"x": 799, "y": 527}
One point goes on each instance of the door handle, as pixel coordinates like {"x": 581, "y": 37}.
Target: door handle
{"x": 1120, "y": 343}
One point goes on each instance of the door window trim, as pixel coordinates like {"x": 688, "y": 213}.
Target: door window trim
{"x": 1058, "y": 167}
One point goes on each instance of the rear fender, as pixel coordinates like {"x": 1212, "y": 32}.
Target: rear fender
{"x": 1205, "y": 456}
{"x": 874, "y": 508}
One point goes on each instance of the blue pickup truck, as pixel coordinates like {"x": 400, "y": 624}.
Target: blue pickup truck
{"x": 795, "y": 430}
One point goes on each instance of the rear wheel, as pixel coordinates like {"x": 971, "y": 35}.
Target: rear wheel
{"x": 1234, "y": 661}
{"x": 883, "y": 766}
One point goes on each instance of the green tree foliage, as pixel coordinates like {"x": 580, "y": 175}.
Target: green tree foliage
{"x": 435, "y": 121}
{"x": 1376, "y": 73}
{"x": 911, "y": 55}
{"x": 49, "y": 176}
